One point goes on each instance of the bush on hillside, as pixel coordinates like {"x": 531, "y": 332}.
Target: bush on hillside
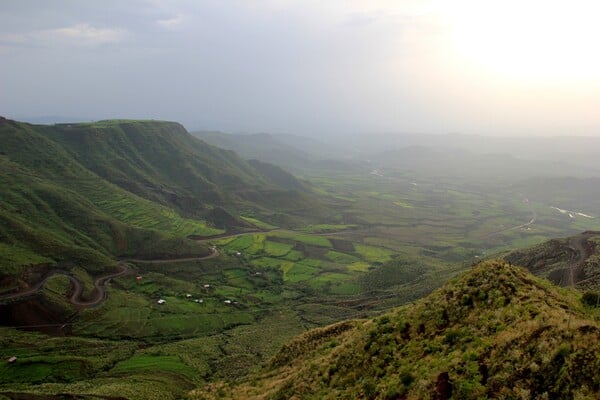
{"x": 591, "y": 299}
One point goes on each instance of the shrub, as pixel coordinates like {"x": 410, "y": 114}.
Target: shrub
{"x": 466, "y": 300}
{"x": 393, "y": 393}
{"x": 406, "y": 378}
{"x": 452, "y": 337}
{"x": 369, "y": 389}
{"x": 591, "y": 299}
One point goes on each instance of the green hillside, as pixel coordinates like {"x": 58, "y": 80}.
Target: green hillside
{"x": 138, "y": 262}
{"x": 162, "y": 162}
{"x": 494, "y": 332}
{"x": 54, "y": 210}
{"x": 83, "y": 194}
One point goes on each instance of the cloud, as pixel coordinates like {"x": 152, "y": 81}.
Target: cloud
{"x": 285, "y": 65}
{"x": 362, "y": 19}
{"x": 14, "y": 38}
{"x": 77, "y": 35}
{"x": 87, "y": 34}
{"x": 170, "y": 22}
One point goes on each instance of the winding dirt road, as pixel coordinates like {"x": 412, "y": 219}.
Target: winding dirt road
{"x": 213, "y": 253}
{"x": 99, "y": 292}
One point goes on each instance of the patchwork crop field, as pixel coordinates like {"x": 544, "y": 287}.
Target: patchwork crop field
{"x": 395, "y": 240}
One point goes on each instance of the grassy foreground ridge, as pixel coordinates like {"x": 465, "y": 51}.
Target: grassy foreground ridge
{"x": 494, "y": 332}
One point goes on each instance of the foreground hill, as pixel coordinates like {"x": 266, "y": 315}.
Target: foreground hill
{"x": 494, "y": 332}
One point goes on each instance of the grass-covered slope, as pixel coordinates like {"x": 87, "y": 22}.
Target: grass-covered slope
{"x": 494, "y": 332}
{"x": 56, "y": 211}
{"x": 87, "y": 192}
{"x": 162, "y": 162}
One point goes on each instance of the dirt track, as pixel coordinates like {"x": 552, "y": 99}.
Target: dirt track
{"x": 581, "y": 251}
{"x": 213, "y": 253}
{"x": 98, "y": 293}
{"x": 532, "y": 221}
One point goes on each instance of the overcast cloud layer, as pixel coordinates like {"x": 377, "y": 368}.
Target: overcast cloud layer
{"x": 305, "y": 67}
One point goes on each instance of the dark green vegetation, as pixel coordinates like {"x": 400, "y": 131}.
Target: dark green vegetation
{"x": 84, "y": 193}
{"x": 348, "y": 240}
{"x": 494, "y": 332}
{"x": 161, "y": 162}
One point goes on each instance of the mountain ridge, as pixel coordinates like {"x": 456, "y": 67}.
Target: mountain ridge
{"x": 162, "y": 161}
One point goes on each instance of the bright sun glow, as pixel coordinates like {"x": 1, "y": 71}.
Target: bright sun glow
{"x": 527, "y": 39}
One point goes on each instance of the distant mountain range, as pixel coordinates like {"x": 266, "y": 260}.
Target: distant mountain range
{"x": 294, "y": 153}
{"x": 470, "y": 156}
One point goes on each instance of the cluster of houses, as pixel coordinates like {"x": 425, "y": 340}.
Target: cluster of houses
{"x": 187, "y": 296}
{"x": 199, "y": 301}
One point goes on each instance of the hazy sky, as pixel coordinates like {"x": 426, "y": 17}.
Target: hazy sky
{"x": 307, "y": 67}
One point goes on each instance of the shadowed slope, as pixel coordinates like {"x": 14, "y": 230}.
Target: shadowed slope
{"x": 162, "y": 162}
{"x": 571, "y": 261}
